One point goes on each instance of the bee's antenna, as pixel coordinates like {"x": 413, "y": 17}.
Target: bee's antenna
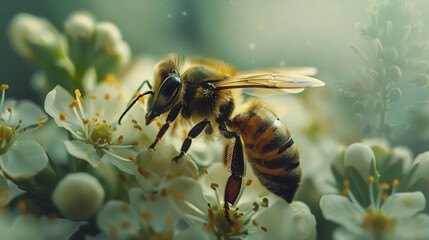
{"x": 132, "y": 104}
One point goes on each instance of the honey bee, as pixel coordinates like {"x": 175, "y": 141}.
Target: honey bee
{"x": 207, "y": 92}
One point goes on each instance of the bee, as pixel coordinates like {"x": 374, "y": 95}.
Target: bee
{"x": 206, "y": 92}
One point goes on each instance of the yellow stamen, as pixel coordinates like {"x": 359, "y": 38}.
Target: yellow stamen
{"x": 92, "y": 96}
{"x": 142, "y": 172}
{"x": 9, "y": 109}
{"x": 77, "y": 92}
{"x": 112, "y": 230}
{"x": 255, "y": 206}
{"x": 125, "y": 224}
{"x": 249, "y": 182}
{"x": 254, "y": 222}
{"x": 120, "y": 138}
{"x": 106, "y": 96}
{"x": 264, "y": 229}
{"x": 39, "y": 124}
{"x": 371, "y": 179}
{"x": 124, "y": 208}
{"x": 73, "y": 104}
{"x": 169, "y": 220}
{"x": 4, "y": 87}
{"x": 134, "y": 143}
{"x": 146, "y": 216}
{"x": 265, "y": 202}
{"x": 384, "y": 185}
{"x": 131, "y": 158}
{"x": 395, "y": 183}
{"x": 214, "y": 186}
{"x": 346, "y": 183}
{"x": 205, "y": 172}
{"x": 41, "y": 119}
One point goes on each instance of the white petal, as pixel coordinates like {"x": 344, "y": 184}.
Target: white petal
{"x": 27, "y": 111}
{"x": 359, "y": 156}
{"x": 24, "y": 159}
{"x": 344, "y": 234}
{"x": 124, "y": 163}
{"x": 58, "y": 101}
{"x": 340, "y": 210}
{"x": 83, "y": 151}
{"x": 423, "y": 168}
{"x": 417, "y": 228}
{"x": 403, "y": 205}
{"x": 4, "y": 191}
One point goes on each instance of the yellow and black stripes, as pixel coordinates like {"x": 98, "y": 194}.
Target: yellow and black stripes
{"x": 271, "y": 150}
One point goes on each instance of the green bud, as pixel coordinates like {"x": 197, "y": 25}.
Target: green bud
{"x": 390, "y": 54}
{"x": 358, "y": 107}
{"x": 395, "y": 73}
{"x": 78, "y": 196}
{"x": 378, "y": 106}
{"x": 422, "y": 80}
{"x": 394, "y": 94}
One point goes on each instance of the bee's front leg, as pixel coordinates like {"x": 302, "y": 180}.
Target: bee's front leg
{"x": 195, "y": 131}
{"x": 172, "y": 115}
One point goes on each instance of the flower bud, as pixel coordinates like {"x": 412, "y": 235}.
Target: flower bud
{"x": 422, "y": 80}
{"x": 80, "y": 25}
{"x": 124, "y": 53}
{"x": 395, "y": 73}
{"x": 107, "y": 37}
{"x": 422, "y": 169}
{"x": 403, "y": 155}
{"x": 26, "y": 30}
{"x": 358, "y": 107}
{"x": 78, "y": 196}
{"x": 395, "y": 94}
{"x": 338, "y": 160}
{"x": 359, "y": 156}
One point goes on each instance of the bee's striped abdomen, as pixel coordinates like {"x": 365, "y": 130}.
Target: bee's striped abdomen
{"x": 271, "y": 151}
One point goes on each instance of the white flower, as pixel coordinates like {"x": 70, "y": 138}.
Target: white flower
{"x": 123, "y": 51}
{"x": 93, "y": 123}
{"x": 78, "y": 195}
{"x": 80, "y": 25}
{"x": 20, "y": 158}
{"x": 154, "y": 170}
{"x": 397, "y": 218}
{"x": 422, "y": 170}
{"x": 252, "y": 217}
{"x": 26, "y": 30}
{"x": 4, "y": 191}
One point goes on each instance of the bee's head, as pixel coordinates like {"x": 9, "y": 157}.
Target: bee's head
{"x": 166, "y": 95}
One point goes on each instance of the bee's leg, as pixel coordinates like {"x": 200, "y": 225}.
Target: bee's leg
{"x": 195, "y": 131}
{"x": 172, "y": 115}
{"x": 233, "y": 185}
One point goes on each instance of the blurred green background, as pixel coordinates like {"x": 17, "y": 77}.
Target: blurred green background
{"x": 246, "y": 33}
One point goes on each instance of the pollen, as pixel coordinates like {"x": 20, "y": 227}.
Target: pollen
{"x": 264, "y": 229}
{"x": 107, "y": 96}
{"x": 120, "y": 138}
{"x": 254, "y": 222}
{"x": 384, "y": 185}
{"x": 142, "y": 172}
{"x": 21, "y": 206}
{"x": 169, "y": 220}
{"x": 4, "y": 87}
{"x": 85, "y": 121}
{"x": 124, "y": 208}
{"x": 92, "y": 96}
{"x": 125, "y": 224}
{"x": 214, "y": 186}
{"x": 39, "y": 124}
{"x": 138, "y": 127}
{"x": 371, "y": 179}
{"x": 395, "y": 183}
{"x": 9, "y": 109}
{"x": 41, "y": 119}
{"x": 255, "y": 206}
{"x": 73, "y": 104}
{"x": 77, "y": 92}
{"x": 113, "y": 231}
{"x": 146, "y": 216}
{"x": 111, "y": 79}
{"x": 205, "y": 172}
{"x": 134, "y": 143}
{"x": 265, "y": 203}
{"x": 131, "y": 158}
{"x": 249, "y": 182}
{"x": 346, "y": 183}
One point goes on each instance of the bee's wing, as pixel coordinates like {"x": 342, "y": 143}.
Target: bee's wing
{"x": 307, "y": 71}
{"x": 285, "y": 81}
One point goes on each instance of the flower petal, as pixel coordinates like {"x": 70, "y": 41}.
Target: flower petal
{"x": 4, "y": 191}
{"x": 192, "y": 233}
{"x": 57, "y": 102}
{"x": 403, "y": 205}
{"x": 83, "y": 151}
{"x": 340, "y": 210}
{"x": 24, "y": 159}
{"x": 25, "y": 111}
{"x": 417, "y": 228}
